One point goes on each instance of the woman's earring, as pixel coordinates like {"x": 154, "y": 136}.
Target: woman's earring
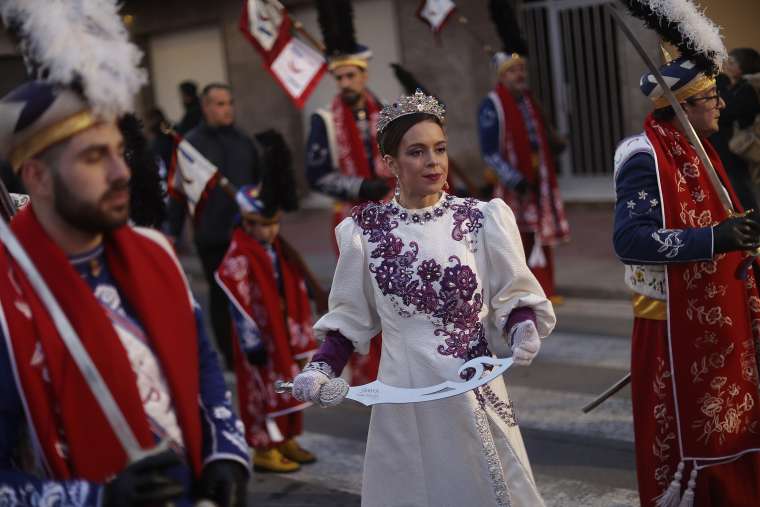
{"x": 446, "y": 185}
{"x": 397, "y": 192}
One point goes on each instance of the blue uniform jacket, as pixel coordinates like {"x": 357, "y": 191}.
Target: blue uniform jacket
{"x": 639, "y": 236}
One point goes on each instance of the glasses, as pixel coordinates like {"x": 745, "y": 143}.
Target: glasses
{"x": 715, "y": 98}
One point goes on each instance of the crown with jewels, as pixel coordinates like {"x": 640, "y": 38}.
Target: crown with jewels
{"x": 411, "y": 104}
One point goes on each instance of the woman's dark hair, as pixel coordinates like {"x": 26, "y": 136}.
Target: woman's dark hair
{"x": 747, "y": 58}
{"x": 390, "y": 139}
{"x": 664, "y": 114}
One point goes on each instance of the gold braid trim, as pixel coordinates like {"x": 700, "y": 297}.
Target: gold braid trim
{"x": 699, "y": 84}
{"x": 649, "y": 308}
{"x": 514, "y": 58}
{"x": 342, "y": 61}
{"x": 50, "y": 135}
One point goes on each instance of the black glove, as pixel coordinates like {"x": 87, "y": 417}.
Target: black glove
{"x": 144, "y": 482}
{"x": 373, "y": 189}
{"x": 257, "y": 356}
{"x": 224, "y": 483}
{"x": 739, "y": 233}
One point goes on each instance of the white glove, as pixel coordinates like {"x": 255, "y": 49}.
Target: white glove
{"x": 308, "y": 383}
{"x": 525, "y": 343}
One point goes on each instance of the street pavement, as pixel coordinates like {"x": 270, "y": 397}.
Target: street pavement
{"x": 578, "y": 460}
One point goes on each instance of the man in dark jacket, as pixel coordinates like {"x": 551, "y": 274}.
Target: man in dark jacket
{"x": 188, "y": 90}
{"x": 234, "y": 154}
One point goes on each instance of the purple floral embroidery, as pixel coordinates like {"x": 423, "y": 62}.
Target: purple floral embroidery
{"x": 506, "y": 411}
{"x": 389, "y": 247}
{"x": 459, "y": 279}
{"x": 429, "y": 271}
{"x": 449, "y": 295}
{"x": 467, "y": 219}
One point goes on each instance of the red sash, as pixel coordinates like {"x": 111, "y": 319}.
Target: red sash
{"x": 74, "y": 435}
{"x": 542, "y": 212}
{"x": 247, "y": 277}
{"x": 352, "y": 157}
{"x": 713, "y": 317}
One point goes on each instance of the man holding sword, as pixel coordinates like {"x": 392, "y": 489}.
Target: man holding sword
{"x": 110, "y": 393}
{"x": 684, "y": 239}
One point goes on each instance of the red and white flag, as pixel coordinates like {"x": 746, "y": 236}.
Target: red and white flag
{"x": 435, "y": 13}
{"x": 294, "y": 64}
{"x": 191, "y": 176}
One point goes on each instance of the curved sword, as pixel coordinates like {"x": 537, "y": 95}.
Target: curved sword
{"x": 376, "y": 392}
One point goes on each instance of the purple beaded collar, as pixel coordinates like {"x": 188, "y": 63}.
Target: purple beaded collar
{"x": 420, "y": 216}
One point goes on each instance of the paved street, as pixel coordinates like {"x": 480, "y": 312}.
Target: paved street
{"x": 578, "y": 460}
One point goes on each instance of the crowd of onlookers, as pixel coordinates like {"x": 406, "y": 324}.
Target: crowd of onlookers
{"x": 738, "y": 141}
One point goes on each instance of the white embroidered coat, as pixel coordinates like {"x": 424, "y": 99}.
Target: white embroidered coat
{"x": 439, "y": 283}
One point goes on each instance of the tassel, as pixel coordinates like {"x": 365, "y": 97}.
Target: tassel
{"x": 537, "y": 258}
{"x": 688, "y": 497}
{"x": 672, "y": 496}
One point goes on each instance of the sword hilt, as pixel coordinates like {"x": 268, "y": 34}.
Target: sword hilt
{"x": 331, "y": 393}
{"x": 280, "y": 386}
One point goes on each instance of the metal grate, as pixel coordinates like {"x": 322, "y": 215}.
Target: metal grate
{"x": 585, "y": 104}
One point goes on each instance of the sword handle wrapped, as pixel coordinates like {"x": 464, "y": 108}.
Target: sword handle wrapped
{"x": 331, "y": 393}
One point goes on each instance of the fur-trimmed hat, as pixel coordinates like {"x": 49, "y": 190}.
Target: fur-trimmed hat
{"x": 698, "y": 39}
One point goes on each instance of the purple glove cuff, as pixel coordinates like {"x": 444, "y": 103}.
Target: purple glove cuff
{"x": 519, "y": 315}
{"x": 335, "y": 351}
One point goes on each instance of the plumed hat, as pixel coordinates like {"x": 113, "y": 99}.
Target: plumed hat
{"x": 336, "y": 20}
{"x": 684, "y": 77}
{"x": 514, "y": 47}
{"x": 86, "y": 69}
{"x": 698, "y": 39}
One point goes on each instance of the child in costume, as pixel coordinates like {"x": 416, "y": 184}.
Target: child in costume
{"x": 271, "y": 312}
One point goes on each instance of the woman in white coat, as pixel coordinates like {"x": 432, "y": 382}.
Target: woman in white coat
{"x": 445, "y": 280}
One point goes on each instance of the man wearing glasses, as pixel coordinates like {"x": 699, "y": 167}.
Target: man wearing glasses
{"x": 693, "y": 362}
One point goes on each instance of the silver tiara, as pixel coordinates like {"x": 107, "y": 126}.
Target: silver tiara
{"x": 410, "y": 104}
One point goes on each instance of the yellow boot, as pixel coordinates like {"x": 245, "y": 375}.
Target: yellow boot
{"x": 294, "y": 452}
{"x": 273, "y": 461}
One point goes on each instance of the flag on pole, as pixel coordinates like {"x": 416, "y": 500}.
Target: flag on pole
{"x": 435, "y": 13}
{"x": 191, "y": 177}
{"x": 267, "y": 26}
{"x": 296, "y": 66}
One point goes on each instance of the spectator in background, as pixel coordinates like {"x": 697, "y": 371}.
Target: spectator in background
{"x": 161, "y": 143}
{"x": 742, "y": 106}
{"x": 188, "y": 91}
{"x": 234, "y": 154}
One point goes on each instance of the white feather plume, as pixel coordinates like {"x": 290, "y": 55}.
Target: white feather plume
{"x": 695, "y": 27}
{"x": 83, "y": 41}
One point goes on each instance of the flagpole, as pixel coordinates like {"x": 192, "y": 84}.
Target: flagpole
{"x": 298, "y": 26}
{"x": 306, "y": 34}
